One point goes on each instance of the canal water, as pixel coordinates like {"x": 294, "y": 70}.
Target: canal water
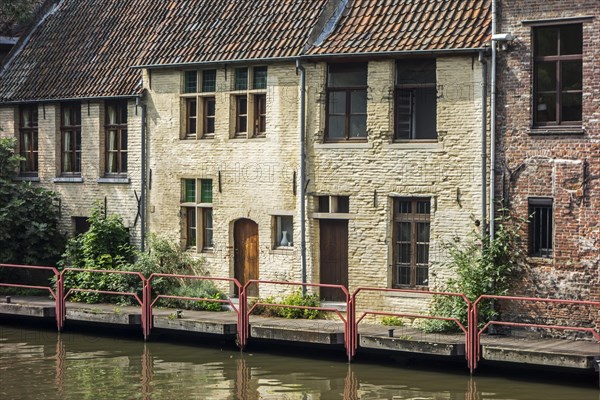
{"x": 40, "y": 364}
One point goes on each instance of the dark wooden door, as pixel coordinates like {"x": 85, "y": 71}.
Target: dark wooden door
{"x": 334, "y": 257}
{"x": 245, "y": 237}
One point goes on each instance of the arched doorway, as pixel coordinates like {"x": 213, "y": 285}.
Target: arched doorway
{"x": 245, "y": 239}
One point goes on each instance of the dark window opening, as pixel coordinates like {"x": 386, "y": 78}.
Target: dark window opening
{"x": 540, "y": 228}
{"x": 346, "y": 102}
{"x": 209, "y": 111}
{"x": 28, "y": 140}
{"x": 71, "y": 139}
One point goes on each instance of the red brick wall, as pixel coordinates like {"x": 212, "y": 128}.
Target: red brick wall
{"x": 563, "y": 167}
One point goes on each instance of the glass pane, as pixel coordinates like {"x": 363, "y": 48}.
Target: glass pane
{"x": 242, "y": 105}
{"x": 208, "y": 227}
{"x": 358, "y": 126}
{"x": 335, "y": 127}
{"x": 422, "y": 276}
{"x": 347, "y": 75}
{"x": 210, "y": 106}
{"x": 423, "y": 207}
{"x": 404, "y": 275}
{"x": 34, "y": 116}
{"x": 241, "y": 78}
{"x": 111, "y": 143}
{"x": 123, "y": 112}
{"x": 343, "y": 204}
{"x": 189, "y": 190}
{"x": 111, "y": 114}
{"x": 545, "y": 76}
{"x": 190, "y": 84}
{"x": 423, "y": 232}
{"x": 423, "y": 254}
{"x": 337, "y": 102}
{"x": 571, "y": 75}
{"x": 66, "y": 116}
{"x": 209, "y": 127}
{"x": 546, "y": 41}
{"x": 124, "y": 140}
{"x": 209, "y": 80}
{"x": 206, "y": 191}
{"x": 358, "y": 102}
{"x": 571, "y": 40}
{"x": 324, "y": 204}
{"x": 404, "y": 207}
{"x": 191, "y": 226}
{"x": 425, "y": 110}
{"x": 260, "y": 77}
{"x": 546, "y": 107}
{"x": 404, "y": 231}
{"x": 123, "y": 162}
{"x": 415, "y": 71}
{"x": 285, "y": 231}
{"x": 571, "y": 107}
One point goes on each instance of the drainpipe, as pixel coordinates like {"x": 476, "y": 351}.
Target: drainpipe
{"x": 493, "y": 125}
{"x": 484, "y": 73}
{"x": 143, "y": 176}
{"x": 302, "y": 71}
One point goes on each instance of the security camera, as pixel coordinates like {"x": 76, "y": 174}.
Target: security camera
{"x": 502, "y": 37}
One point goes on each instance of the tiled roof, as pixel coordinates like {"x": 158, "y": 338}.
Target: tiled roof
{"x": 193, "y": 31}
{"x": 87, "y": 47}
{"x": 378, "y": 26}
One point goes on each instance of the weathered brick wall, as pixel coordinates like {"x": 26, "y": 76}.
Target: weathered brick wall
{"x": 78, "y": 198}
{"x": 563, "y": 167}
{"x": 448, "y": 172}
{"x": 257, "y": 175}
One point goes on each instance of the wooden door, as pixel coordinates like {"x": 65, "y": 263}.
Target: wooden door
{"x": 245, "y": 237}
{"x": 334, "y": 257}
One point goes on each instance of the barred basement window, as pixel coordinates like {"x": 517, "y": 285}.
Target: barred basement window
{"x": 411, "y": 232}
{"x": 540, "y": 227}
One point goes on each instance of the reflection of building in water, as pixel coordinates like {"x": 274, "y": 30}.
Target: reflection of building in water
{"x": 351, "y": 386}
{"x": 245, "y": 388}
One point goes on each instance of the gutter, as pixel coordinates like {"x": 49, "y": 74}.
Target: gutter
{"x": 215, "y": 62}
{"x": 143, "y": 175}
{"x": 493, "y": 125}
{"x": 302, "y": 71}
{"x": 484, "y": 90}
{"x": 58, "y": 100}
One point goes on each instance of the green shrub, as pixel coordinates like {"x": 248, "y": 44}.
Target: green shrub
{"x": 392, "y": 321}
{"x": 198, "y": 289}
{"x": 294, "y": 299}
{"x": 481, "y": 267}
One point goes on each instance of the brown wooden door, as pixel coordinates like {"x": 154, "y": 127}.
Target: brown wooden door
{"x": 245, "y": 237}
{"x": 334, "y": 257}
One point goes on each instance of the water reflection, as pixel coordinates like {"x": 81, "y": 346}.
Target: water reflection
{"x": 84, "y": 367}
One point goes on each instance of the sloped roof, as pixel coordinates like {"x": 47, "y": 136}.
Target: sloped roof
{"x": 86, "y": 48}
{"x": 379, "y": 26}
{"x": 193, "y": 31}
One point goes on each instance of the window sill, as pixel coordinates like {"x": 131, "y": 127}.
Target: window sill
{"x": 344, "y": 145}
{"x": 540, "y": 260}
{"x": 27, "y": 178}
{"x": 115, "y": 180}
{"x": 285, "y": 249}
{"x": 245, "y": 139}
{"x": 416, "y": 145}
{"x": 562, "y": 131}
{"x": 331, "y": 216}
{"x": 66, "y": 179}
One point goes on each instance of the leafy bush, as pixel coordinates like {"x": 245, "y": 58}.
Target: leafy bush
{"x": 481, "y": 267}
{"x": 294, "y": 299}
{"x": 392, "y": 321}
{"x": 198, "y": 289}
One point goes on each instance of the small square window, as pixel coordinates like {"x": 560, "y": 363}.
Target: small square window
{"x": 241, "y": 79}
{"x": 284, "y": 231}
{"x": 190, "y": 82}
{"x": 334, "y": 204}
{"x": 260, "y": 77}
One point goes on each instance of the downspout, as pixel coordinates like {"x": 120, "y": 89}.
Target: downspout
{"x": 302, "y": 71}
{"x": 484, "y": 72}
{"x": 493, "y": 125}
{"x": 143, "y": 176}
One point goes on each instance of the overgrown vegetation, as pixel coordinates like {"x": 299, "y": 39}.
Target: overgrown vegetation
{"x": 29, "y": 216}
{"x": 294, "y": 299}
{"x": 481, "y": 267}
{"x": 392, "y": 321}
{"x": 106, "y": 246}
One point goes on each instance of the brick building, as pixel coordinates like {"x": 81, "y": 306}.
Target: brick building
{"x": 549, "y": 141}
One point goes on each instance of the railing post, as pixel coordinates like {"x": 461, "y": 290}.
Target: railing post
{"x": 146, "y": 308}
{"x": 351, "y": 327}
{"x": 242, "y": 317}
{"x": 60, "y": 288}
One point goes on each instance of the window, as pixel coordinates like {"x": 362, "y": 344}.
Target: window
{"x": 70, "y": 139}
{"x": 558, "y": 75}
{"x": 199, "y": 104}
{"x": 346, "y": 102}
{"x": 116, "y": 137}
{"x": 250, "y": 107}
{"x": 80, "y": 225}
{"x": 197, "y": 213}
{"x": 28, "y": 140}
{"x": 411, "y": 242}
{"x": 334, "y": 204}
{"x": 415, "y": 100}
{"x": 540, "y": 227}
{"x": 284, "y": 231}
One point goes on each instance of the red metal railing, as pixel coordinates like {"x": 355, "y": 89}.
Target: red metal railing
{"x": 469, "y": 352}
{"x": 143, "y": 302}
{"x": 478, "y": 332}
{"x": 346, "y": 320}
{"x": 238, "y": 310}
{"x": 53, "y": 293}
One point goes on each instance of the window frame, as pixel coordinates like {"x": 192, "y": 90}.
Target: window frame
{"x": 197, "y": 227}
{"x": 121, "y": 127}
{"x": 399, "y": 88}
{"x": 29, "y": 167}
{"x": 533, "y": 205}
{"x": 347, "y": 90}
{"x": 74, "y": 153}
{"x": 558, "y": 59}
{"x": 413, "y": 218}
{"x": 254, "y": 93}
{"x": 277, "y": 232}
{"x": 194, "y": 105}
